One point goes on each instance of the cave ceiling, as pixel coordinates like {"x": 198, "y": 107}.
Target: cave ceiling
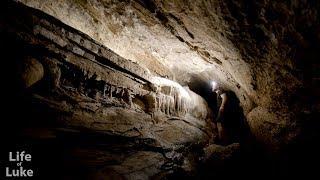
{"x": 254, "y": 49}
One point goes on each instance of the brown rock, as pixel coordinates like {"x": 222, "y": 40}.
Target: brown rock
{"x": 31, "y": 72}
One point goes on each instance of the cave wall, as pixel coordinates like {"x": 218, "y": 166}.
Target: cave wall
{"x": 161, "y": 37}
{"x": 264, "y": 51}
{"x": 74, "y": 86}
{"x": 280, "y": 41}
{"x": 127, "y": 69}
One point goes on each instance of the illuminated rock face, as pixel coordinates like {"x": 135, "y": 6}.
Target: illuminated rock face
{"x": 262, "y": 51}
{"x": 82, "y": 86}
{"x": 129, "y": 69}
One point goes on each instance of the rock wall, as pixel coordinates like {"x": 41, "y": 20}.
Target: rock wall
{"x": 264, "y": 51}
{"x": 82, "y": 87}
{"x": 123, "y": 68}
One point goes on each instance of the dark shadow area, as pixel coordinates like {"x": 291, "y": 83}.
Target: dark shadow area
{"x": 235, "y": 120}
{"x": 18, "y": 112}
{"x": 203, "y": 88}
{"x": 299, "y": 47}
{"x": 251, "y": 156}
{"x": 254, "y": 159}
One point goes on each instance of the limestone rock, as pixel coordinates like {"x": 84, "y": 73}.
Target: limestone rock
{"x": 271, "y": 128}
{"x": 221, "y": 153}
{"x": 128, "y": 71}
{"x": 142, "y": 165}
{"x": 258, "y": 50}
{"x": 31, "y": 72}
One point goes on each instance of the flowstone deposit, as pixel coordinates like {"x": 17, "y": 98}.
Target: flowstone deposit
{"x": 120, "y": 89}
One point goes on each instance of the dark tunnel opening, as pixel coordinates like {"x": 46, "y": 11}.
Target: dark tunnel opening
{"x": 203, "y": 89}
{"x": 234, "y": 113}
{"x": 251, "y": 155}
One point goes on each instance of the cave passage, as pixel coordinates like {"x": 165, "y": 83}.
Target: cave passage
{"x": 97, "y": 89}
{"x": 235, "y": 124}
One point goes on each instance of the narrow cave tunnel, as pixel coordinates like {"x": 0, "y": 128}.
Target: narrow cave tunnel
{"x": 104, "y": 89}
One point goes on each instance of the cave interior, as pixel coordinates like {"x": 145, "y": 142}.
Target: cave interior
{"x": 120, "y": 89}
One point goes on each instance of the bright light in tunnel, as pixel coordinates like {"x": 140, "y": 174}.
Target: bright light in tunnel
{"x": 214, "y": 84}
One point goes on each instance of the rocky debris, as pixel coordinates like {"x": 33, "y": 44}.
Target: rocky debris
{"x": 222, "y": 162}
{"x": 220, "y": 153}
{"x": 142, "y": 165}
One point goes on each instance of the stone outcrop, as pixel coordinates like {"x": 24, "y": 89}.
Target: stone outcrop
{"x": 123, "y": 77}
{"x": 89, "y": 88}
{"x": 31, "y": 72}
{"x": 261, "y": 50}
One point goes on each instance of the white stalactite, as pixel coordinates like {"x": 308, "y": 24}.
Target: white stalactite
{"x": 174, "y": 101}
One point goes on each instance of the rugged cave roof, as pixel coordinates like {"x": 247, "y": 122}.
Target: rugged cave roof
{"x": 253, "y": 48}
{"x": 101, "y": 63}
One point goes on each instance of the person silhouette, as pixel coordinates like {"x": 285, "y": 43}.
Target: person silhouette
{"x": 228, "y": 119}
